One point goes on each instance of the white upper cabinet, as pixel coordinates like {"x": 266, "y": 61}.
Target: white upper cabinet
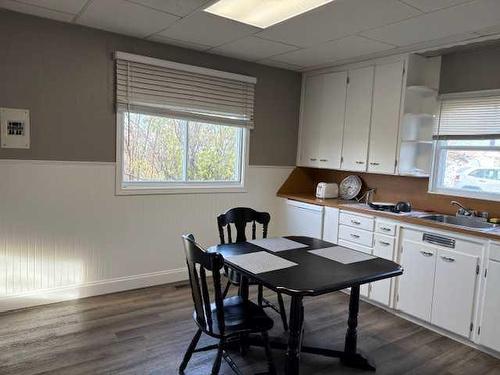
{"x": 322, "y": 120}
{"x": 385, "y": 117}
{"x": 357, "y": 119}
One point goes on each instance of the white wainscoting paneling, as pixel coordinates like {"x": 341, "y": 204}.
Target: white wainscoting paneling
{"x": 65, "y": 234}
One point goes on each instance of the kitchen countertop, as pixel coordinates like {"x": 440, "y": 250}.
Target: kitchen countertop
{"x": 411, "y": 217}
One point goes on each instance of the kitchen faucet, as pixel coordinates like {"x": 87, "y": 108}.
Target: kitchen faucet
{"x": 464, "y": 211}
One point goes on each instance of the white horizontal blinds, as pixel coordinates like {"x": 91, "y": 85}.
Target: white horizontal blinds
{"x": 474, "y": 117}
{"x": 162, "y": 87}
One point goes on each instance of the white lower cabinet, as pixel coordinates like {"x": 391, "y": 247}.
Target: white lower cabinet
{"x": 454, "y": 289}
{"x": 489, "y": 334}
{"x": 416, "y": 286}
{"x": 383, "y": 247}
{"x": 331, "y": 225}
{"x": 439, "y": 284}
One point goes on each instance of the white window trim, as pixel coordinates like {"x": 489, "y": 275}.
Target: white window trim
{"x": 178, "y": 188}
{"x": 434, "y": 189}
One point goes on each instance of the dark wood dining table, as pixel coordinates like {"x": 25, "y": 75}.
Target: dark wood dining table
{"x": 312, "y": 276}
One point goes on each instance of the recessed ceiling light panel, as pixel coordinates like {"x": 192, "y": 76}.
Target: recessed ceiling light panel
{"x": 262, "y": 13}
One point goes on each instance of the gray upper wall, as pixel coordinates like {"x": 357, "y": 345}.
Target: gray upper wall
{"x": 65, "y": 75}
{"x": 471, "y": 70}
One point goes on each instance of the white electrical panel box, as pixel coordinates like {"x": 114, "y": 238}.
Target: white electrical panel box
{"x": 15, "y": 128}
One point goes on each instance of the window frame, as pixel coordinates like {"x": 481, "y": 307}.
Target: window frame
{"x": 436, "y": 165}
{"x": 159, "y": 188}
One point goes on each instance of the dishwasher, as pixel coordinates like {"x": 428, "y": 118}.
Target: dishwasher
{"x": 304, "y": 219}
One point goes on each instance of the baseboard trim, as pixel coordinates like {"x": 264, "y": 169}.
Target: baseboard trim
{"x": 89, "y": 289}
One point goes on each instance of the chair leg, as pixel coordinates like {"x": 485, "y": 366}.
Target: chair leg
{"x": 190, "y": 351}
{"x": 282, "y": 312}
{"x": 218, "y": 358}
{"x": 260, "y": 295}
{"x": 228, "y": 285}
{"x": 231, "y": 363}
{"x": 269, "y": 356}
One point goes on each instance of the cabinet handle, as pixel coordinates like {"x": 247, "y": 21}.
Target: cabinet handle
{"x": 355, "y": 222}
{"x": 323, "y": 159}
{"x": 385, "y": 229}
{"x": 354, "y": 235}
{"x": 384, "y": 243}
{"x": 313, "y": 159}
{"x": 360, "y": 162}
{"x": 447, "y": 259}
{"x": 426, "y": 253}
{"x": 374, "y": 163}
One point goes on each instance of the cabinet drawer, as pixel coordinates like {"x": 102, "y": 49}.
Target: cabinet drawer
{"x": 385, "y": 227}
{"x": 356, "y": 221}
{"x": 358, "y": 236}
{"x": 383, "y": 246}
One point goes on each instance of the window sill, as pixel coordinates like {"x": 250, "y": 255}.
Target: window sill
{"x": 466, "y": 194}
{"x": 180, "y": 189}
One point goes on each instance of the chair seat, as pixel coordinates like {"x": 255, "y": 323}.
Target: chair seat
{"x": 241, "y": 316}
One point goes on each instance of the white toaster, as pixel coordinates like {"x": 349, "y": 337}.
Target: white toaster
{"x": 326, "y": 190}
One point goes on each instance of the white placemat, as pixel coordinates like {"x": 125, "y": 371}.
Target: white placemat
{"x": 342, "y": 255}
{"x": 260, "y": 262}
{"x": 278, "y": 244}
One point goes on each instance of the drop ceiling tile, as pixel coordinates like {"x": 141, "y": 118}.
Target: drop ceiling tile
{"x": 68, "y": 6}
{"x": 126, "y": 18}
{"x": 179, "y": 43}
{"x": 36, "y": 10}
{"x": 330, "y": 52}
{"x": 337, "y": 20}
{"x": 207, "y": 29}
{"x": 177, "y": 7}
{"x": 440, "y": 24}
{"x": 431, "y": 5}
{"x": 252, "y": 48}
{"x": 280, "y": 64}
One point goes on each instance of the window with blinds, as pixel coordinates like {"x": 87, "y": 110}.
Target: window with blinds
{"x": 475, "y": 117}
{"x": 467, "y": 146}
{"x": 165, "y": 87}
{"x": 180, "y": 128}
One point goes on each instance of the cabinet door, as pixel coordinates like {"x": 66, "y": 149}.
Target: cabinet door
{"x": 323, "y": 120}
{"x": 490, "y": 329}
{"x": 383, "y": 248}
{"x": 385, "y": 118}
{"x": 357, "y": 119}
{"x": 454, "y": 291}
{"x": 416, "y": 285}
{"x": 332, "y": 125}
{"x": 331, "y": 225}
{"x": 310, "y": 121}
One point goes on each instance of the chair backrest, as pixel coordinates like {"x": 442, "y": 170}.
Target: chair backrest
{"x": 239, "y": 217}
{"x": 198, "y": 262}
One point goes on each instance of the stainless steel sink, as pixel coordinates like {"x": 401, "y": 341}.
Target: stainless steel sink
{"x": 461, "y": 221}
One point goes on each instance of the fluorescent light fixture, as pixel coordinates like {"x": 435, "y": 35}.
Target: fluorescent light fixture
{"x": 263, "y": 13}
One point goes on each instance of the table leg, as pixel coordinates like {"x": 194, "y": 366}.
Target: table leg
{"x": 295, "y": 336}
{"x": 243, "y": 289}
{"x": 351, "y": 357}
{"x": 243, "y": 293}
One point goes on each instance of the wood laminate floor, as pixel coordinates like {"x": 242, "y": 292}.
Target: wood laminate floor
{"x": 146, "y": 331}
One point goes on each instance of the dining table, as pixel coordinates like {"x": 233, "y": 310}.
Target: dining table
{"x": 310, "y": 268}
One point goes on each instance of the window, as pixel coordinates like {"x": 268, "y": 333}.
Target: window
{"x": 467, "y": 147}
{"x": 159, "y": 151}
{"x": 180, "y": 128}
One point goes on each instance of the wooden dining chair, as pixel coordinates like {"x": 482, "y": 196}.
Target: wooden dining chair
{"x": 224, "y": 319}
{"x": 240, "y": 217}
